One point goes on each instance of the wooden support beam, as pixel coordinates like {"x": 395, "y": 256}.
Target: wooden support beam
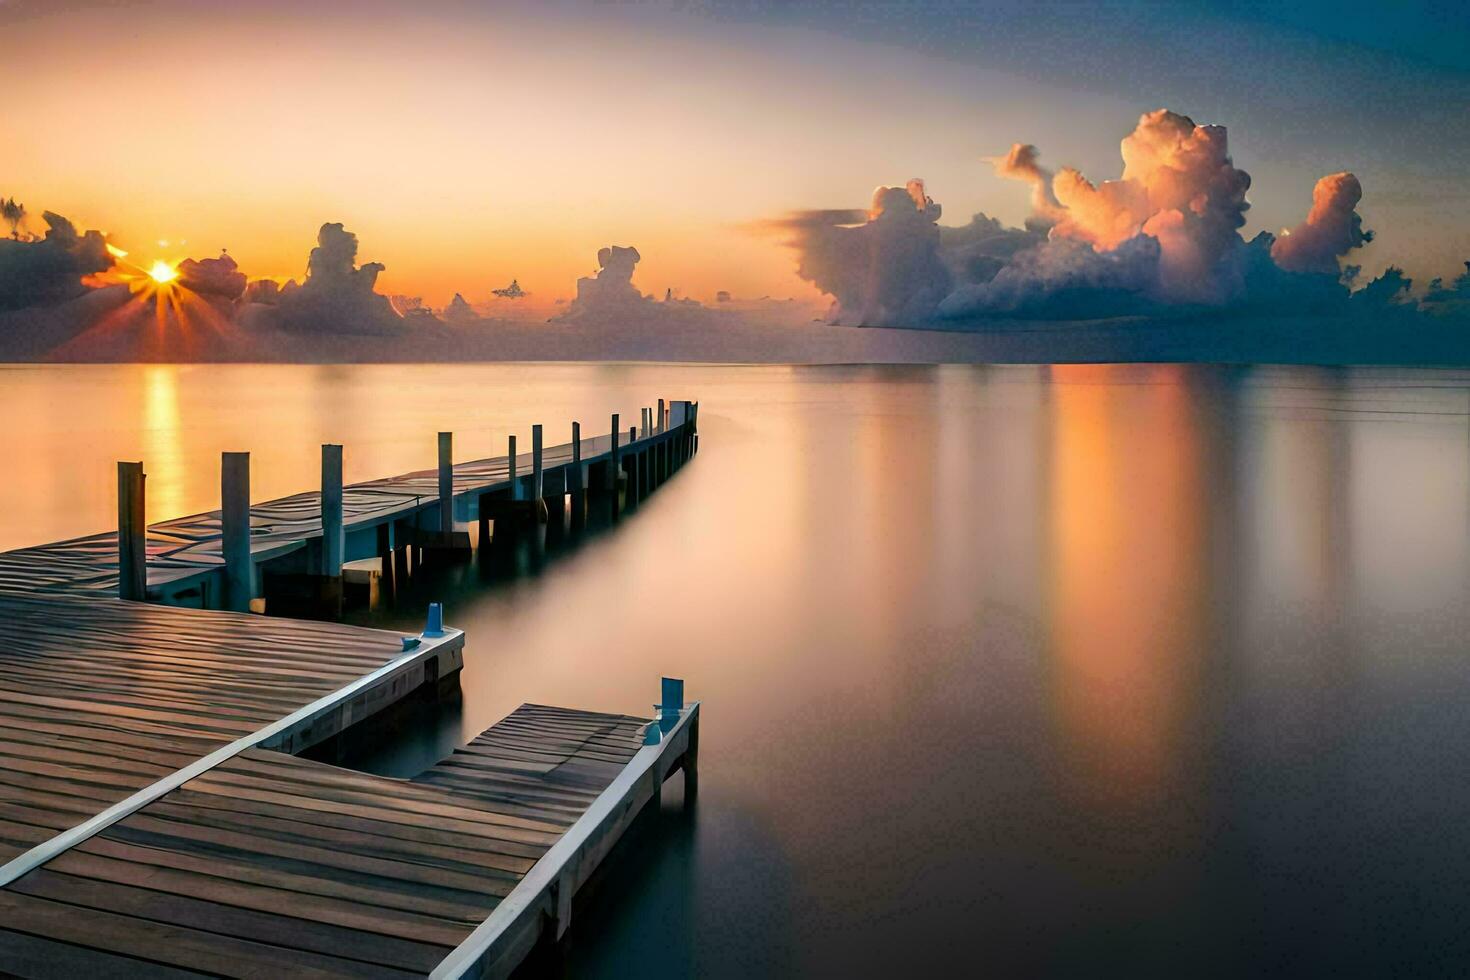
{"x": 331, "y": 511}
{"x": 132, "y": 534}
{"x": 400, "y": 553}
{"x": 446, "y": 482}
{"x": 483, "y": 541}
{"x": 386, "y": 579}
{"x": 235, "y": 530}
{"x": 556, "y": 498}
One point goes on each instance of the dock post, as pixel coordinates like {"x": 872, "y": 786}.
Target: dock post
{"x": 578, "y": 476}
{"x": 515, "y": 486}
{"x": 612, "y": 467}
{"x": 678, "y": 416}
{"x": 538, "y": 475}
{"x": 660, "y": 415}
{"x": 645, "y": 472}
{"x": 446, "y": 482}
{"x": 691, "y": 762}
{"x": 635, "y": 485}
{"x": 235, "y": 530}
{"x": 611, "y": 481}
{"x": 331, "y": 511}
{"x": 132, "y": 534}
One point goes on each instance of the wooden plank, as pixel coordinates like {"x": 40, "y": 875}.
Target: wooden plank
{"x": 33, "y": 956}
{"x": 171, "y": 944}
{"x": 15, "y": 867}
{"x": 272, "y": 928}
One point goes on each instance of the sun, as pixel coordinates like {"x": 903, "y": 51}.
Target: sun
{"x": 161, "y": 272}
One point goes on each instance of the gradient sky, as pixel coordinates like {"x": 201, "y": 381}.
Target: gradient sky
{"x": 467, "y": 144}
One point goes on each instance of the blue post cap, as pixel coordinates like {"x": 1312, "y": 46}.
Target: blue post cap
{"x": 409, "y": 642}
{"x": 435, "y": 626}
{"x": 651, "y": 734}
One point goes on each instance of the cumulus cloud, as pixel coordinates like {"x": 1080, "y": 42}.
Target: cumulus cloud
{"x": 1332, "y": 229}
{"x": 266, "y": 292}
{"x": 1162, "y": 236}
{"x": 1066, "y": 279}
{"x": 337, "y": 296}
{"x": 215, "y": 279}
{"x": 1179, "y": 187}
{"x": 50, "y": 270}
{"x": 610, "y": 290}
{"x": 459, "y": 310}
{"x": 1021, "y": 163}
{"x": 882, "y": 267}
{"x": 978, "y": 251}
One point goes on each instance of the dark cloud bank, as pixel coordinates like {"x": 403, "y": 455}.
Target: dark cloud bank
{"x": 1149, "y": 266}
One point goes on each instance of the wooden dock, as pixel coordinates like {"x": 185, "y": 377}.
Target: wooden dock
{"x": 187, "y": 560}
{"x": 156, "y": 821}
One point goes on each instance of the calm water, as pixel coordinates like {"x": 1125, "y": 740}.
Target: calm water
{"x": 1061, "y": 671}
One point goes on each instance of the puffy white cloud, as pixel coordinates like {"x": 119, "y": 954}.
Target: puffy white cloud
{"x": 882, "y": 268}
{"x": 1332, "y": 229}
{"x": 610, "y": 290}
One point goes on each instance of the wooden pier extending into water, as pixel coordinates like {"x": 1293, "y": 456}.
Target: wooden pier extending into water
{"x": 227, "y": 558}
{"x": 155, "y": 816}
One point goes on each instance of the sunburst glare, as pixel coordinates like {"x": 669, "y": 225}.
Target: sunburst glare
{"x": 161, "y": 272}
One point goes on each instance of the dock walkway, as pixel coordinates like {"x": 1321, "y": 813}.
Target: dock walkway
{"x": 155, "y": 820}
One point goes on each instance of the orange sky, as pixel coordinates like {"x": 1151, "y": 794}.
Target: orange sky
{"x": 467, "y": 146}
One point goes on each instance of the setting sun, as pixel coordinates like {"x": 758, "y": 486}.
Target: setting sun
{"x": 161, "y": 272}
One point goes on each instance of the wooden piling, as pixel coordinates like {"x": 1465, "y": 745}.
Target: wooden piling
{"x": 634, "y": 483}
{"x": 660, "y": 416}
{"x": 538, "y": 481}
{"x": 515, "y": 486}
{"x": 612, "y": 468}
{"x": 132, "y": 534}
{"x": 446, "y": 482}
{"x": 577, "y": 476}
{"x": 401, "y": 565}
{"x": 331, "y": 511}
{"x": 235, "y": 530}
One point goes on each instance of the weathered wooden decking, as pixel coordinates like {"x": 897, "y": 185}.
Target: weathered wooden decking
{"x": 154, "y": 820}
{"x": 100, "y": 698}
{"x": 268, "y": 865}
